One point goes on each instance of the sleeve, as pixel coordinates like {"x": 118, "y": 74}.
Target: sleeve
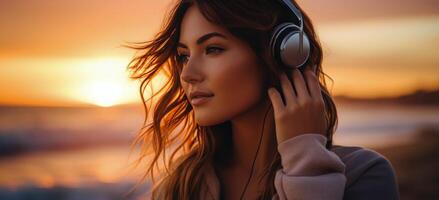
{"x": 378, "y": 181}
{"x": 310, "y": 171}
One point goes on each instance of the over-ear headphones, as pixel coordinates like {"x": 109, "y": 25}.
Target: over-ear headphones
{"x": 289, "y": 44}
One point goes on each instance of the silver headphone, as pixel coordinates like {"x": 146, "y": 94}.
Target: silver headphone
{"x": 289, "y": 44}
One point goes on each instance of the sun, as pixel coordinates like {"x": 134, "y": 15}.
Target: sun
{"x": 104, "y": 93}
{"x": 106, "y": 82}
{"x": 103, "y": 82}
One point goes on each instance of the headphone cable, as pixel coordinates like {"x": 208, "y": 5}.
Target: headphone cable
{"x": 254, "y": 160}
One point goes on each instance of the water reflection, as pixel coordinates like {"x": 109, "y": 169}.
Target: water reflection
{"x": 83, "y": 153}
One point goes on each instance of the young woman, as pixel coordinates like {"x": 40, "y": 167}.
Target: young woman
{"x": 260, "y": 130}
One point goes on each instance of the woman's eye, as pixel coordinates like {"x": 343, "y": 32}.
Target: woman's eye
{"x": 213, "y": 49}
{"x": 182, "y": 58}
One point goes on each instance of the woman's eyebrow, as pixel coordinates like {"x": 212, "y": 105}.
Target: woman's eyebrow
{"x": 204, "y": 38}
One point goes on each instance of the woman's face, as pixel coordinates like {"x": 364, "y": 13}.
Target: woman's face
{"x": 219, "y": 64}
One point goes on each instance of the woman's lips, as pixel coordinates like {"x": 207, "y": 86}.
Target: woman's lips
{"x": 200, "y": 100}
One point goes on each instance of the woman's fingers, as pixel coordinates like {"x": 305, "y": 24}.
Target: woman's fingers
{"x": 302, "y": 112}
{"x": 287, "y": 88}
{"x": 276, "y": 100}
{"x": 300, "y": 86}
{"x": 313, "y": 84}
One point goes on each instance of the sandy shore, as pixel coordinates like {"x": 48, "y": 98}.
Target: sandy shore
{"x": 416, "y": 165}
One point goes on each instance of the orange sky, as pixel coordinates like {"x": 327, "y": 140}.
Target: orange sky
{"x": 68, "y": 52}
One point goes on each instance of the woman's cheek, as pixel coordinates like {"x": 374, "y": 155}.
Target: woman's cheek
{"x": 236, "y": 84}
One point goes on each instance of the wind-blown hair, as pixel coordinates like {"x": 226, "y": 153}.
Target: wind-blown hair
{"x": 172, "y": 128}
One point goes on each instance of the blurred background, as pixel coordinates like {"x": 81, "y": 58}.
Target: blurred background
{"x": 69, "y": 112}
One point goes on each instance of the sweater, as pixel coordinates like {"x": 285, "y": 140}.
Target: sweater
{"x": 310, "y": 171}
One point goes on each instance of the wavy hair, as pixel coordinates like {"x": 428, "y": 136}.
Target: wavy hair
{"x": 172, "y": 128}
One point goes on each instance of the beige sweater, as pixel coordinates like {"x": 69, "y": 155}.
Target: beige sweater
{"x": 310, "y": 171}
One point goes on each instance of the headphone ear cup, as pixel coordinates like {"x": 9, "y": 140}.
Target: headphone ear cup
{"x": 285, "y": 45}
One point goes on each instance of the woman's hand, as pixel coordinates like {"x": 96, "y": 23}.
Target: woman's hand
{"x": 303, "y": 111}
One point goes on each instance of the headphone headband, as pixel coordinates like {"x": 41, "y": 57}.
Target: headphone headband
{"x": 289, "y": 44}
{"x": 295, "y": 11}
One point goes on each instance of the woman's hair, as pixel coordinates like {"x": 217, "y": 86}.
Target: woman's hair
{"x": 173, "y": 128}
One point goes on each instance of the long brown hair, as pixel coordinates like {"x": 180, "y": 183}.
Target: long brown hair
{"x": 172, "y": 127}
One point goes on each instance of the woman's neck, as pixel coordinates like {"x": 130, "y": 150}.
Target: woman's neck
{"x": 246, "y": 135}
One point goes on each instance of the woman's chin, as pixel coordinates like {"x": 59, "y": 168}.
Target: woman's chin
{"x": 206, "y": 119}
{"x": 203, "y": 121}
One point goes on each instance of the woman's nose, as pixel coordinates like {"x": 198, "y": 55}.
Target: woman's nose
{"x": 191, "y": 73}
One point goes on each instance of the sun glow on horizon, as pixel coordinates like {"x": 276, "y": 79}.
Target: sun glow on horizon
{"x": 365, "y": 58}
{"x": 104, "y": 83}
{"x": 104, "y": 93}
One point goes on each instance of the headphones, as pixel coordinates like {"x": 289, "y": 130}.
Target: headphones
{"x": 289, "y": 44}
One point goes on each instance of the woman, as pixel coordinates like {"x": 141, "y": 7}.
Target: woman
{"x": 260, "y": 131}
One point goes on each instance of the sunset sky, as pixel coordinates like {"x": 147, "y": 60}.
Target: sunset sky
{"x": 69, "y": 52}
